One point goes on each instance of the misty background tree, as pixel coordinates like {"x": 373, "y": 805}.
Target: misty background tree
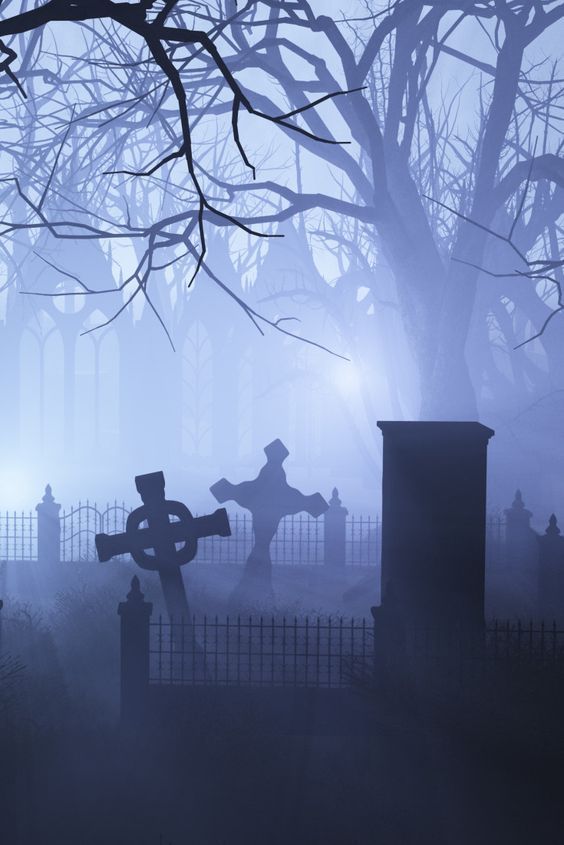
{"x": 144, "y": 138}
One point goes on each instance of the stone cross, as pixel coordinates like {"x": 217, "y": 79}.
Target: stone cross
{"x": 269, "y": 498}
{"x": 163, "y": 545}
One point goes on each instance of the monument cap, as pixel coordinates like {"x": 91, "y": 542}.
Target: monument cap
{"x": 151, "y": 485}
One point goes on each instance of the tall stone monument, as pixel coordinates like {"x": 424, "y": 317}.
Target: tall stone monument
{"x": 434, "y": 522}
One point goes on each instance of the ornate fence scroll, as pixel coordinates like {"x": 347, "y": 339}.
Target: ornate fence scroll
{"x": 80, "y": 525}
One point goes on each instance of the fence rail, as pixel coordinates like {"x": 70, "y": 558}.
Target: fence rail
{"x": 334, "y": 652}
{"x": 80, "y": 525}
{"x": 18, "y": 536}
{"x": 299, "y": 540}
{"x": 337, "y": 539}
{"x": 501, "y": 641}
{"x": 260, "y": 652}
{"x": 539, "y": 643}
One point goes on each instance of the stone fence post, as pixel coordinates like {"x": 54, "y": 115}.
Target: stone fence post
{"x": 48, "y": 529}
{"x": 520, "y": 539}
{"x": 135, "y": 616}
{"x": 551, "y": 573}
{"x": 514, "y": 578}
{"x": 334, "y": 532}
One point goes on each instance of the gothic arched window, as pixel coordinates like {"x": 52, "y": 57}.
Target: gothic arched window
{"x": 42, "y": 387}
{"x": 96, "y": 400}
{"x": 245, "y": 396}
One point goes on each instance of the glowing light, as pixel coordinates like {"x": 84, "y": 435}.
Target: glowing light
{"x": 17, "y": 490}
{"x": 347, "y": 378}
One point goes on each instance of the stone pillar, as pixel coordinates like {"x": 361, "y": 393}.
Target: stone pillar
{"x": 48, "y": 529}
{"x": 520, "y": 539}
{"x": 550, "y": 604}
{"x": 135, "y": 616}
{"x": 334, "y": 533}
{"x": 434, "y": 522}
{"x": 520, "y": 573}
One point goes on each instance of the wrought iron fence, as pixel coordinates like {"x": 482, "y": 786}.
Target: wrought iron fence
{"x": 337, "y": 652}
{"x": 363, "y": 541}
{"x": 522, "y": 656}
{"x": 18, "y": 536}
{"x": 258, "y": 652}
{"x": 299, "y": 540}
{"x": 513, "y": 641}
{"x": 80, "y": 525}
{"x": 541, "y": 644}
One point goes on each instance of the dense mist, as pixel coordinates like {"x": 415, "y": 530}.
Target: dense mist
{"x": 242, "y": 244}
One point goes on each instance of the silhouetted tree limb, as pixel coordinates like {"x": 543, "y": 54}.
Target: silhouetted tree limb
{"x": 410, "y": 180}
{"x": 162, "y": 42}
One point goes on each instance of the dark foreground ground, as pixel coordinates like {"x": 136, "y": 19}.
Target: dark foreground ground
{"x": 425, "y": 765}
{"x": 417, "y": 777}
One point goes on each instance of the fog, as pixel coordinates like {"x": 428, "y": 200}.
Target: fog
{"x": 229, "y": 225}
{"x": 87, "y": 412}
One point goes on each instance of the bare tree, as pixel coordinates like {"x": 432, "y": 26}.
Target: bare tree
{"x": 420, "y": 201}
{"x": 150, "y": 90}
{"x": 125, "y": 105}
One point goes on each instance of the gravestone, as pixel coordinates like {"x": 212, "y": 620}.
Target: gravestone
{"x": 269, "y": 498}
{"x": 158, "y": 543}
{"x": 434, "y": 522}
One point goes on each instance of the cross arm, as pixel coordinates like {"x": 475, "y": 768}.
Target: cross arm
{"x": 110, "y": 545}
{"x": 294, "y": 501}
{"x": 222, "y": 490}
{"x": 216, "y": 523}
{"x": 245, "y": 493}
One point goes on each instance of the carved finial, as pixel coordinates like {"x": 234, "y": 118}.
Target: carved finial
{"x": 48, "y": 497}
{"x": 518, "y": 502}
{"x": 518, "y": 513}
{"x": 552, "y": 525}
{"x": 135, "y": 594}
{"x": 335, "y": 501}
